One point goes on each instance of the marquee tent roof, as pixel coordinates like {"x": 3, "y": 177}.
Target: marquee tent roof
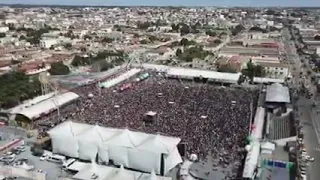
{"x": 48, "y": 105}
{"x": 116, "y": 137}
{"x": 251, "y": 160}
{"x": 111, "y": 173}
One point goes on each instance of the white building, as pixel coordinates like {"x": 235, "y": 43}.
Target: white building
{"x": 318, "y": 51}
{"x": 11, "y": 21}
{"x": 47, "y": 43}
{"x": 4, "y": 29}
{"x": 275, "y": 70}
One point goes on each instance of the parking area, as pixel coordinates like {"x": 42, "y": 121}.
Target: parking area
{"x": 22, "y": 156}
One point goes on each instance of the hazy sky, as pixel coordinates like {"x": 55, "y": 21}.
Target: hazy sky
{"x": 172, "y": 2}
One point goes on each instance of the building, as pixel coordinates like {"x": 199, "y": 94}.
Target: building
{"x": 47, "y": 43}
{"x": 275, "y": 70}
{"x": 318, "y": 51}
{"x": 4, "y": 29}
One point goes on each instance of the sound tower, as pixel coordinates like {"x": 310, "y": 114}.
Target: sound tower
{"x": 162, "y": 165}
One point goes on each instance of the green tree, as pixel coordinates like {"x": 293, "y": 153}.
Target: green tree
{"x": 317, "y": 37}
{"x": 178, "y": 52}
{"x": 87, "y": 37}
{"x": 68, "y": 45}
{"x": 237, "y": 29}
{"x": 217, "y": 41}
{"x": 17, "y": 87}
{"x": 175, "y": 27}
{"x": 253, "y": 70}
{"x": 184, "y": 42}
{"x": 143, "y": 25}
{"x": 153, "y": 38}
{"x": 58, "y": 68}
{"x": 107, "y": 40}
{"x": 211, "y": 33}
{"x": 185, "y": 29}
{"x": 104, "y": 65}
{"x": 144, "y": 41}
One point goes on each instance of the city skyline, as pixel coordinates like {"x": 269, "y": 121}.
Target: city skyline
{"x": 168, "y": 2}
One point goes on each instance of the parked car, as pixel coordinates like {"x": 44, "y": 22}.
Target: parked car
{"x": 43, "y": 158}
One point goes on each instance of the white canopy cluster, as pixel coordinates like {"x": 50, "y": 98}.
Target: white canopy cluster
{"x": 131, "y": 149}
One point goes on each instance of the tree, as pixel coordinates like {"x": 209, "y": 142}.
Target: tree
{"x": 184, "y": 42}
{"x": 317, "y": 37}
{"x": 178, "y": 52}
{"x": 2, "y": 35}
{"x": 253, "y": 70}
{"x": 22, "y": 37}
{"x": 104, "y": 65}
{"x": 185, "y": 29}
{"x": 256, "y": 28}
{"x": 107, "y": 40}
{"x": 144, "y": 25}
{"x": 211, "y": 33}
{"x": 87, "y": 37}
{"x": 144, "y": 41}
{"x": 17, "y": 87}
{"x": 175, "y": 27}
{"x": 237, "y": 29}
{"x": 68, "y": 45}
{"x": 217, "y": 41}
{"x": 58, "y": 68}
{"x": 153, "y": 38}
{"x": 80, "y": 61}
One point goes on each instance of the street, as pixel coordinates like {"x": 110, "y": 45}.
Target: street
{"x": 308, "y": 117}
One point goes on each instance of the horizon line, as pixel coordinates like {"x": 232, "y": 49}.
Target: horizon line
{"x": 94, "y": 5}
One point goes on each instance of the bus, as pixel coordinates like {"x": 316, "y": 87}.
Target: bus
{"x": 143, "y": 77}
{"x": 56, "y": 158}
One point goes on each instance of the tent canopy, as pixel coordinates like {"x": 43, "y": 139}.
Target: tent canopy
{"x": 136, "y": 150}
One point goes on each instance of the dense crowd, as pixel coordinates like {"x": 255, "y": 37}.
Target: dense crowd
{"x": 211, "y": 120}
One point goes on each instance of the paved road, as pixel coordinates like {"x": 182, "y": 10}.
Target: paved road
{"x": 309, "y": 119}
{"x": 311, "y": 138}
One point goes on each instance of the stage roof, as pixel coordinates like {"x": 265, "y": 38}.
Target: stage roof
{"x": 278, "y": 93}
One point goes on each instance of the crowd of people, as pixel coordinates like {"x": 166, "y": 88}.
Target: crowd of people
{"x": 210, "y": 120}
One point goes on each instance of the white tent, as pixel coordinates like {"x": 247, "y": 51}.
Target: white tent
{"x": 110, "y": 173}
{"x": 131, "y": 149}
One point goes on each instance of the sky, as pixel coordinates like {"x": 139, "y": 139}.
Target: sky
{"x": 170, "y": 2}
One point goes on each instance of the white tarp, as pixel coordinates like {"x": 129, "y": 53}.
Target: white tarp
{"x": 258, "y": 123}
{"x": 138, "y": 159}
{"x": 123, "y": 147}
{"x": 112, "y": 173}
{"x": 251, "y": 161}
